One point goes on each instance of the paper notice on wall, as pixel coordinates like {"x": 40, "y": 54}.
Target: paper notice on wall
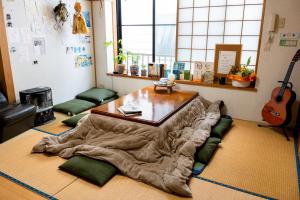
{"x": 226, "y": 61}
{"x": 86, "y": 15}
{"x": 39, "y": 47}
{"x": 31, "y": 8}
{"x": 13, "y": 35}
{"x": 25, "y": 34}
{"x": 23, "y": 54}
{"x": 83, "y": 61}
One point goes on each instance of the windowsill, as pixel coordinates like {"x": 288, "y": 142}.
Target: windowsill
{"x": 187, "y": 82}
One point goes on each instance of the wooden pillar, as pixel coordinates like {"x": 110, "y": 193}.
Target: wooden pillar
{"x": 6, "y": 79}
{"x": 114, "y": 27}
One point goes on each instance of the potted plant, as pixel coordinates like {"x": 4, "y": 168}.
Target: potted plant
{"x": 120, "y": 58}
{"x": 144, "y": 70}
{"x": 134, "y": 68}
{"x": 242, "y": 76}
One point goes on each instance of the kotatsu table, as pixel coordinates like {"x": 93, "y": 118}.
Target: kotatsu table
{"x": 157, "y": 106}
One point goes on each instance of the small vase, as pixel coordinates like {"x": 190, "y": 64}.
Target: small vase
{"x": 134, "y": 70}
{"x": 143, "y": 72}
{"x": 121, "y": 68}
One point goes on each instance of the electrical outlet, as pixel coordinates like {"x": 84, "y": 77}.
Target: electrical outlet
{"x": 281, "y": 22}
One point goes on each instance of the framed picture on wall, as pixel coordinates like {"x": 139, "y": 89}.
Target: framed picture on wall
{"x": 226, "y": 56}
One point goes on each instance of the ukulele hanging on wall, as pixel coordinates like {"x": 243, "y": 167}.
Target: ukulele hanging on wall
{"x": 278, "y": 111}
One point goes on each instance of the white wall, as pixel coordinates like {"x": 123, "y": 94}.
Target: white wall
{"x": 246, "y": 105}
{"x": 55, "y": 69}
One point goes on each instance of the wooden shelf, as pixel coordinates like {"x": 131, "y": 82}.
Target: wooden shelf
{"x": 186, "y": 82}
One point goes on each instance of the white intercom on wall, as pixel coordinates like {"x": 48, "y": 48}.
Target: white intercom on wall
{"x": 272, "y": 30}
{"x": 274, "y": 23}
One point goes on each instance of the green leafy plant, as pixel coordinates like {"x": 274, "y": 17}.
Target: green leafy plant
{"x": 242, "y": 70}
{"x": 122, "y": 55}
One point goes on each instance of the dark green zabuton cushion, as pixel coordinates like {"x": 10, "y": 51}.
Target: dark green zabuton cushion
{"x": 221, "y": 127}
{"x": 92, "y": 170}
{"x": 96, "y": 95}
{"x": 205, "y": 152}
{"x": 72, "y": 122}
{"x": 73, "y": 107}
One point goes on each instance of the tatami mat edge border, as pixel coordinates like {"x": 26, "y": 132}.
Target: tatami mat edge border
{"x": 39, "y": 192}
{"x": 59, "y": 134}
{"x": 234, "y": 188}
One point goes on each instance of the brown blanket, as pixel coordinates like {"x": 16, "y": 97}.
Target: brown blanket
{"x": 161, "y": 156}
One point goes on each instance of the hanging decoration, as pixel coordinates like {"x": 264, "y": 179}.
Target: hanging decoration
{"x": 61, "y": 15}
{"x": 79, "y": 24}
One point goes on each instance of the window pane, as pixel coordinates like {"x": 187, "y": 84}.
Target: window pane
{"x": 165, "y": 40}
{"x": 250, "y": 42}
{"x": 201, "y": 3}
{"x": 187, "y": 65}
{"x": 184, "y": 41}
{"x": 136, "y": 12}
{"x": 246, "y": 55}
{"x": 185, "y": 3}
{"x": 232, "y": 39}
{"x": 234, "y": 12}
{"x": 166, "y": 12}
{"x": 185, "y": 28}
{"x": 253, "y": 12}
{"x": 200, "y": 14}
{"x": 217, "y": 13}
{"x": 235, "y": 2}
{"x": 213, "y": 40}
{"x": 137, "y": 39}
{"x": 233, "y": 28}
{"x": 184, "y": 55}
{"x": 254, "y": 1}
{"x": 199, "y": 42}
{"x": 198, "y": 55}
{"x": 210, "y": 56}
{"x": 185, "y": 15}
{"x": 200, "y": 28}
{"x": 251, "y": 28}
{"x": 216, "y": 28}
{"x": 217, "y": 2}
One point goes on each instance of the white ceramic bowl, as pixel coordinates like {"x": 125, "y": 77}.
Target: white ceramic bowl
{"x": 244, "y": 84}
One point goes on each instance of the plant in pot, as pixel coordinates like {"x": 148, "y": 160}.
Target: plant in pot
{"x": 120, "y": 58}
{"x": 242, "y": 76}
{"x": 134, "y": 68}
{"x": 144, "y": 70}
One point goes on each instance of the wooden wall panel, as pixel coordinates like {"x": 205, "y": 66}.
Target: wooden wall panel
{"x": 6, "y": 79}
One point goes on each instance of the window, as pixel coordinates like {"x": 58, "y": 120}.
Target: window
{"x": 148, "y": 28}
{"x": 204, "y": 23}
{"x": 187, "y": 31}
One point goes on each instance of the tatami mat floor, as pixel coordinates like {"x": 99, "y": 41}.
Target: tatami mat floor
{"x": 244, "y": 163}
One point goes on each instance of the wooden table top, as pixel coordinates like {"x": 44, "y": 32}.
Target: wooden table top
{"x": 157, "y": 106}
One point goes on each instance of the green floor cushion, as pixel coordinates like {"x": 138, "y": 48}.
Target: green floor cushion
{"x": 92, "y": 170}
{"x": 198, "y": 168}
{"x": 72, "y": 122}
{"x": 110, "y": 99}
{"x": 221, "y": 127}
{"x": 73, "y": 107}
{"x": 205, "y": 152}
{"x": 96, "y": 95}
